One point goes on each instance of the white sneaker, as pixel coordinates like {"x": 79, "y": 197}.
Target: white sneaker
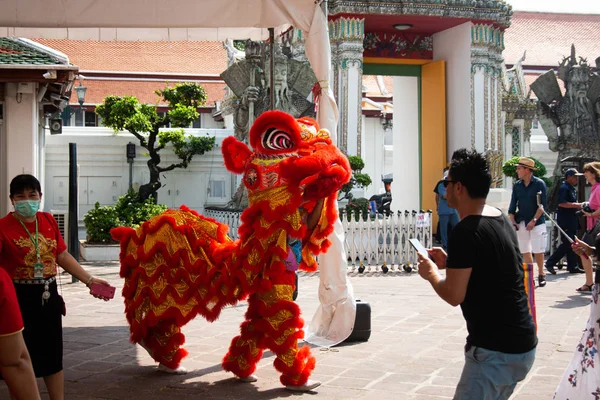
{"x": 249, "y": 378}
{"x": 177, "y": 371}
{"x": 307, "y": 387}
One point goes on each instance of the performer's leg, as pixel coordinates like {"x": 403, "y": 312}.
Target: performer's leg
{"x": 163, "y": 342}
{"x": 283, "y": 328}
{"x": 245, "y": 350}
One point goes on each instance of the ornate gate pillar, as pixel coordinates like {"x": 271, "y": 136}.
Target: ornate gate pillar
{"x": 347, "y": 35}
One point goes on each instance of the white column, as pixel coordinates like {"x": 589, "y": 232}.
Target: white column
{"x": 481, "y": 140}
{"x": 353, "y": 104}
{"x": 22, "y": 134}
{"x": 405, "y": 189}
{"x": 454, "y": 46}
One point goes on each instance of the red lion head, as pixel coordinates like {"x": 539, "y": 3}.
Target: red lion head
{"x": 288, "y": 152}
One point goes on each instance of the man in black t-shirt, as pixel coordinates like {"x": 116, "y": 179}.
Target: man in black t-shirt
{"x": 484, "y": 275}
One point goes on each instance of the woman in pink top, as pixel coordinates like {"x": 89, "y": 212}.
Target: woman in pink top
{"x": 591, "y": 171}
{"x": 592, "y": 175}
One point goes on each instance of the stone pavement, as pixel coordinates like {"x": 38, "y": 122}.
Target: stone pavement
{"x": 415, "y": 351}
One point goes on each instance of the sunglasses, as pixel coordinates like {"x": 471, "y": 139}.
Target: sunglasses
{"x": 447, "y": 182}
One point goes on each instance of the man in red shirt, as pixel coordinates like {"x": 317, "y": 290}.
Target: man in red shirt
{"x": 15, "y": 364}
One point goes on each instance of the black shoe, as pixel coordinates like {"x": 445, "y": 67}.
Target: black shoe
{"x": 542, "y": 280}
{"x": 559, "y": 267}
{"x": 576, "y": 270}
{"x": 550, "y": 269}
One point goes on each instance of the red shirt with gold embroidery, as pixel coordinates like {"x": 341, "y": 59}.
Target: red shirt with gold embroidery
{"x": 17, "y": 250}
{"x": 11, "y": 321}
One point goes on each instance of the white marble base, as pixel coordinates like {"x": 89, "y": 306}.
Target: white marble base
{"x": 98, "y": 252}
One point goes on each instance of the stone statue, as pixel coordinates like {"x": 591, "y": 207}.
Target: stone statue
{"x": 249, "y": 80}
{"x": 292, "y": 80}
{"x": 571, "y": 121}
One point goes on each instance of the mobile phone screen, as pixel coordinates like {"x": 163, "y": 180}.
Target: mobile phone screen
{"x": 419, "y": 247}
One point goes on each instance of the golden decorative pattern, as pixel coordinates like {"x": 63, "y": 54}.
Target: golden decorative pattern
{"x": 279, "y": 318}
{"x": 295, "y": 219}
{"x": 142, "y": 310}
{"x": 277, "y": 197}
{"x": 254, "y": 256}
{"x": 278, "y": 292}
{"x": 288, "y": 357}
{"x": 282, "y": 239}
{"x": 284, "y": 336}
{"x": 254, "y": 350}
{"x": 47, "y": 247}
{"x": 174, "y": 241}
{"x": 169, "y": 302}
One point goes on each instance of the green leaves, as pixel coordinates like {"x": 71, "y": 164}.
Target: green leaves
{"x": 129, "y": 210}
{"x": 358, "y": 179}
{"x": 186, "y": 147}
{"x": 510, "y": 168}
{"x": 356, "y": 163}
{"x": 182, "y": 116}
{"x": 186, "y": 94}
{"x": 116, "y": 111}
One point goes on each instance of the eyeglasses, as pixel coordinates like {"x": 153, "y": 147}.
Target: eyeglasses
{"x": 447, "y": 182}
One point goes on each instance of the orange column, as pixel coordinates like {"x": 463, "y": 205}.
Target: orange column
{"x": 433, "y": 131}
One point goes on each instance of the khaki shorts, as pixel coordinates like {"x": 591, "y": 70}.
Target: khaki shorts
{"x": 533, "y": 241}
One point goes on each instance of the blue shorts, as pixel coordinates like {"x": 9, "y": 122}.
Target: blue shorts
{"x": 492, "y": 375}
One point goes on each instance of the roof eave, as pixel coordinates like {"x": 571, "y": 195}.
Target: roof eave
{"x": 57, "y": 67}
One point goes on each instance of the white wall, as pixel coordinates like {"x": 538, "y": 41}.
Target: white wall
{"x": 372, "y": 154}
{"x": 405, "y": 189}
{"x": 454, "y": 46}
{"x": 21, "y": 136}
{"x": 104, "y": 172}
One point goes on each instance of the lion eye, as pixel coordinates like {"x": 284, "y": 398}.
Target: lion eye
{"x": 275, "y": 139}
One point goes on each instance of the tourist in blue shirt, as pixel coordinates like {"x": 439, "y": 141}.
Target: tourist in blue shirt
{"x": 527, "y": 218}
{"x": 448, "y": 216}
{"x": 567, "y": 220}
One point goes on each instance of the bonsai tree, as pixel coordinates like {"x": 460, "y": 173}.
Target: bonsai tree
{"x": 358, "y": 179}
{"x": 143, "y": 122}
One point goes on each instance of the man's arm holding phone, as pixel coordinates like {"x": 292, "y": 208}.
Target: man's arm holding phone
{"x": 453, "y": 288}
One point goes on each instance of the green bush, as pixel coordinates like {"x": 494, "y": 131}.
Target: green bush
{"x": 359, "y": 208}
{"x": 128, "y": 211}
{"x": 132, "y": 211}
{"x": 98, "y": 223}
{"x": 510, "y": 169}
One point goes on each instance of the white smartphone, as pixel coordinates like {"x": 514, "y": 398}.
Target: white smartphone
{"x": 419, "y": 247}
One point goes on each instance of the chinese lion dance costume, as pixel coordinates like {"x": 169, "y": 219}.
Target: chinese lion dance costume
{"x": 180, "y": 264}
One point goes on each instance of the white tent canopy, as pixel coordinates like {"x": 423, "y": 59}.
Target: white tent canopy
{"x": 334, "y": 319}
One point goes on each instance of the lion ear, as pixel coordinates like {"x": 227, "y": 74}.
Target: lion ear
{"x": 236, "y": 154}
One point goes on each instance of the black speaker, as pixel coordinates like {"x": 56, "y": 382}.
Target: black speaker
{"x": 362, "y": 324}
{"x": 55, "y": 126}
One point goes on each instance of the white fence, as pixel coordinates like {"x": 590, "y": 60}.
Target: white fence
{"x": 372, "y": 242}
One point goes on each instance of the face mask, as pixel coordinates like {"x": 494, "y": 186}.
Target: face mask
{"x": 27, "y": 208}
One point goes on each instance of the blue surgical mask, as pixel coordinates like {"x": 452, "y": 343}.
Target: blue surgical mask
{"x": 27, "y": 208}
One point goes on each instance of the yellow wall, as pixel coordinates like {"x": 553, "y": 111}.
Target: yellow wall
{"x": 433, "y": 124}
{"x": 433, "y": 131}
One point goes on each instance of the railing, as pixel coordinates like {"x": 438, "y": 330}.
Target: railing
{"x": 377, "y": 241}
{"x": 225, "y": 216}
{"x": 371, "y": 241}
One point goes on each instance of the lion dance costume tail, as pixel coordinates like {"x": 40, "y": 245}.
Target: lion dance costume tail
{"x": 180, "y": 264}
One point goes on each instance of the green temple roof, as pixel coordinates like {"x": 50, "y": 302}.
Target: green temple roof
{"x": 14, "y": 52}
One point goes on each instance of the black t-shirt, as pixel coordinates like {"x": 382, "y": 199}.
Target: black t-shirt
{"x": 495, "y": 305}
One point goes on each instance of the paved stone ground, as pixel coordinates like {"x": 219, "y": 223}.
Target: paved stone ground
{"x": 415, "y": 351}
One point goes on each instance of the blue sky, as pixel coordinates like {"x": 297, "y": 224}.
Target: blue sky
{"x": 571, "y": 6}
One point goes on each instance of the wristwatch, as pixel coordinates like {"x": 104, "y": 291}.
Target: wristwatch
{"x": 534, "y": 219}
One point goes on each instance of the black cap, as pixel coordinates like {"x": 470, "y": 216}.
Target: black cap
{"x": 572, "y": 172}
